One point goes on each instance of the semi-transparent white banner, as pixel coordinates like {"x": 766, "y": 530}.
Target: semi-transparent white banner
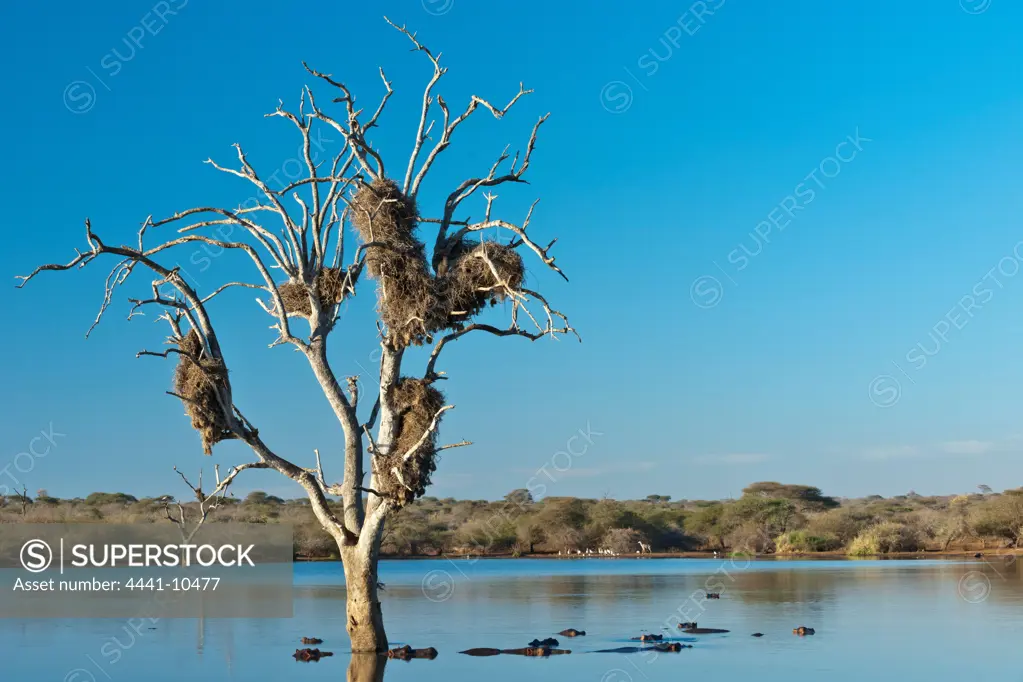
{"x": 88, "y": 570}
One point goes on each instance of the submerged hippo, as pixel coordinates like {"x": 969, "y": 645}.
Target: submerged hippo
{"x": 802, "y": 630}
{"x": 670, "y": 646}
{"x": 310, "y": 654}
{"x": 407, "y": 653}
{"x": 666, "y": 646}
{"x": 572, "y": 632}
{"x": 312, "y": 640}
{"x": 483, "y": 651}
{"x": 535, "y": 651}
{"x": 757, "y": 634}
{"x": 702, "y": 631}
{"x": 648, "y": 638}
{"x": 549, "y": 642}
{"x": 713, "y": 595}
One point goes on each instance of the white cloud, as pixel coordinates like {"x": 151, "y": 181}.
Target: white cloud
{"x": 967, "y": 447}
{"x": 949, "y": 447}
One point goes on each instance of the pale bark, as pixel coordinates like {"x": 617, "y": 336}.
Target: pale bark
{"x": 299, "y": 248}
{"x": 365, "y": 622}
{"x": 366, "y": 668}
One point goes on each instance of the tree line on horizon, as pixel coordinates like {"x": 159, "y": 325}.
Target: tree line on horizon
{"x": 768, "y": 518}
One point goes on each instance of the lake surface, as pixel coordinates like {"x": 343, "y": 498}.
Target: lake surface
{"x": 898, "y": 620}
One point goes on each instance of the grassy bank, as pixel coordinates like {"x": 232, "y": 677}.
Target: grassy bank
{"x": 768, "y": 519}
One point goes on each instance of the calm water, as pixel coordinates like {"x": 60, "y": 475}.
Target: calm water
{"x": 906, "y": 620}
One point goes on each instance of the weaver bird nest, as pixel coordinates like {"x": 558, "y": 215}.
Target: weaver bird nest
{"x": 478, "y": 274}
{"x": 413, "y": 303}
{"x": 333, "y": 286}
{"x": 200, "y": 385}
{"x": 404, "y": 473}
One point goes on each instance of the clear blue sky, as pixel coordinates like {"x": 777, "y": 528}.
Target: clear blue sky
{"x": 674, "y": 138}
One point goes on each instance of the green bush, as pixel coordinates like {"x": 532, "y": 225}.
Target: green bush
{"x": 884, "y": 538}
{"x": 803, "y": 541}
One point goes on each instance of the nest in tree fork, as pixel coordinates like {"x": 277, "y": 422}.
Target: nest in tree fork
{"x": 329, "y": 281}
{"x": 402, "y": 478}
{"x": 199, "y": 385}
{"x": 478, "y": 274}
{"x": 409, "y": 303}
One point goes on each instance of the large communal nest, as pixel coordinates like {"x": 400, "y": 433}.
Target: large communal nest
{"x": 479, "y": 274}
{"x": 331, "y": 285}
{"x": 408, "y": 299}
{"x": 404, "y": 473}
{"x": 198, "y": 385}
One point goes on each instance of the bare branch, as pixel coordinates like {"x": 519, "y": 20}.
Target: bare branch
{"x": 460, "y": 444}
{"x": 354, "y": 134}
{"x": 334, "y": 489}
{"x": 426, "y": 434}
{"x": 207, "y": 502}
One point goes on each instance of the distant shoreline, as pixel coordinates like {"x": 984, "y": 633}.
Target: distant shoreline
{"x": 932, "y": 554}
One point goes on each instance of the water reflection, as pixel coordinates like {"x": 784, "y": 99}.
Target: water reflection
{"x": 894, "y": 615}
{"x": 366, "y": 668}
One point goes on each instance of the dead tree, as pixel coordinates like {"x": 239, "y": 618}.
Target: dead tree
{"x": 295, "y": 240}
{"x": 205, "y": 502}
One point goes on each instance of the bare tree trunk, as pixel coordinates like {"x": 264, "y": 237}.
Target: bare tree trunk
{"x": 365, "y": 617}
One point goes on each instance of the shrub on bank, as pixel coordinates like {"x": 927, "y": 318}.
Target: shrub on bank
{"x": 884, "y": 538}
{"x": 801, "y": 541}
